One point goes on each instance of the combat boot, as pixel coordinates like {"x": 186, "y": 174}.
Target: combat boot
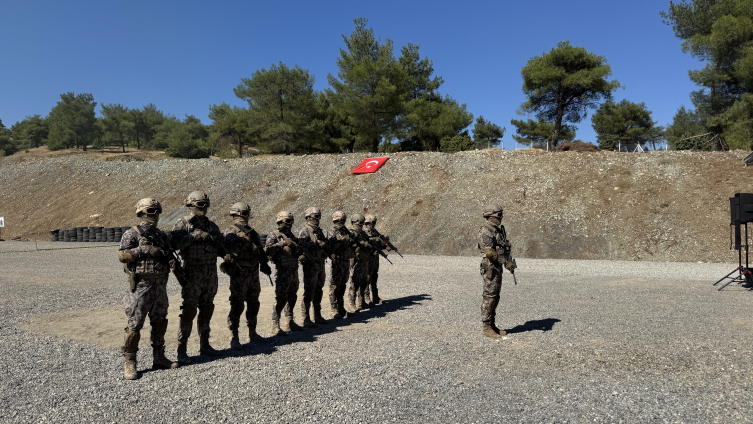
{"x": 159, "y": 361}
{"x": 130, "y": 347}
{"x": 336, "y": 314}
{"x": 254, "y": 337}
{"x": 276, "y": 331}
{"x": 375, "y": 296}
{"x": 130, "y": 373}
{"x": 183, "y": 358}
{"x": 235, "y": 343}
{"x": 318, "y": 318}
{"x": 204, "y": 347}
{"x": 488, "y": 331}
{"x": 290, "y": 325}
{"x": 307, "y": 323}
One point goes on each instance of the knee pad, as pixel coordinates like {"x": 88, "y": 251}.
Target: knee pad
{"x": 131, "y": 340}
{"x": 189, "y": 312}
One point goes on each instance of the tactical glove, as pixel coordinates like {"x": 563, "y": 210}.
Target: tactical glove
{"x": 302, "y": 259}
{"x": 229, "y": 258}
{"x": 264, "y": 268}
{"x": 510, "y": 265}
{"x": 206, "y": 236}
{"x": 124, "y": 256}
{"x": 156, "y": 252}
{"x": 322, "y": 244}
{"x": 333, "y": 256}
{"x": 290, "y": 242}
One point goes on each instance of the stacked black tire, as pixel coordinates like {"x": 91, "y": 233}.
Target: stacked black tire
{"x": 89, "y": 234}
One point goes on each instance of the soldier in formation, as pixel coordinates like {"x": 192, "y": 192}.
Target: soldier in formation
{"x": 142, "y": 252}
{"x": 313, "y": 246}
{"x": 371, "y": 291}
{"x": 282, "y": 248}
{"x": 495, "y": 249}
{"x": 200, "y": 264}
{"x": 360, "y": 264}
{"x": 341, "y": 253}
{"x": 246, "y": 258}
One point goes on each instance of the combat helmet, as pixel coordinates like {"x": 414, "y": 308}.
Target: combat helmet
{"x": 357, "y": 218}
{"x": 370, "y": 219}
{"x": 196, "y": 198}
{"x": 240, "y": 209}
{"x": 148, "y": 205}
{"x": 284, "y": 216}
{"x": 313, "y": 212}
{"x": 339, "y": 215}
{"x": 492, "y": 210}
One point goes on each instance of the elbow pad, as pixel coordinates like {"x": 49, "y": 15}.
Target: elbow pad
{"x": 124, "y": 256}
{"x": 491, "y": 254}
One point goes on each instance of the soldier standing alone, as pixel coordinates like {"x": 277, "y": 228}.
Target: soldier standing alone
{"x": 495, "y": 248}
{"x": 244, "y": 242}
{"x": 200, "y": 263}
{"x": 148, "y": 269}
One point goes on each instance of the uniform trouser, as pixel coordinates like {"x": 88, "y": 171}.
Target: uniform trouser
{"x": 338, "y": 279}
{"x": 491, "y": 276}
{"x": 198, "y": 294}
{"x": 359, "y": 278}
{"x": 150, "y": 298}
{"x": 314, "y": 276}
{"x": 244, "y": 287}
{"x": 371, "y": 288}
{"x": 286, "y": 291}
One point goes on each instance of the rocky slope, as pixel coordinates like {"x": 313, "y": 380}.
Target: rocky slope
{"x": 660, "y": 206}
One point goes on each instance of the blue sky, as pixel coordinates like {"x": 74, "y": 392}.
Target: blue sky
{"x": 184, "y": 56}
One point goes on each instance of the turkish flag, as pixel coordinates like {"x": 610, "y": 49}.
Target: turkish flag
{"x": 369, "y": 165}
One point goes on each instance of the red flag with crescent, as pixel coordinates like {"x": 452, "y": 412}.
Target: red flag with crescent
{"x": 369, "y": 165}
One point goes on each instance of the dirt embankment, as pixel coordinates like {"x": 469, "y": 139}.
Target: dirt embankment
{"x": 663, "y": 206}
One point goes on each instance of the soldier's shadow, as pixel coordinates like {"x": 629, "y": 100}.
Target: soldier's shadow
{"x": 540, "y": 324}
{"x": 312, "y": 334}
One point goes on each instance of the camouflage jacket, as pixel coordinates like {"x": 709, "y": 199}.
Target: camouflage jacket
{"x": 490, "y": 236}
{"x": 138, "y": 241}
{"x": 339, "y": 245}
{"x": 244, "y": 242}
{"x": 283, "y": 256}
{"x": 199, "y": 252}
{"x": 312, "y": 239}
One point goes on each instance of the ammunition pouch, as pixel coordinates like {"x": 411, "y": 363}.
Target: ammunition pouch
{"x": 487, "y": 268}
{"x": 132, "y": 281}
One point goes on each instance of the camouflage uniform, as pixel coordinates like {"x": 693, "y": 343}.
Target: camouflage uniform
{"x": 493, "y": 243}
{"x": 359, "y": 278}
{"x": 148, "y": 268}
{"x": 245, "y": 243}
{"x": 375, "y": 237}
{"x": 340, "y": 242}
{"x": 286, "y": 272}
{"x": 200, "y": 265}
{"x": 314, "y": 273}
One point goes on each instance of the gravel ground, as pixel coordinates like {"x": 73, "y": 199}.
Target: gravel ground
{"x": 593, "y": 341}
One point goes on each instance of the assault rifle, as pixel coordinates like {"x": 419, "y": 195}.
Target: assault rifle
{"x": 173, "y": 260}
{"x": 373, "y": 246}
{"x": 387, "y": 241}
{"x": 252, "y": 234}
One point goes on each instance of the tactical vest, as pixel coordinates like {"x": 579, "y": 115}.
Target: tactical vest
{"x": 362, "y": 253}
{"x": 199, "y": 252}
{"x": 247, "y": 248}
{"x": 147, "y": 267}
{"x": 284, "y": 257}
{"x": 343, "y": 251}
{"x": 498, "y": 235}
{"x": 316, "y": 235}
